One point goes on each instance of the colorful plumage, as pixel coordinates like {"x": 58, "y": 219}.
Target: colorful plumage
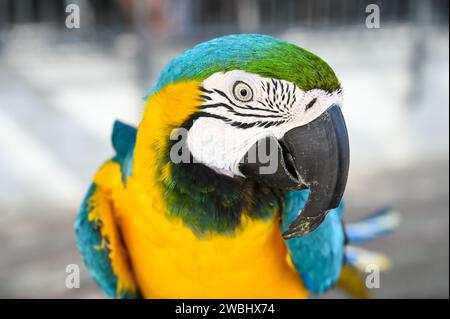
{"x": 182, "y": 211}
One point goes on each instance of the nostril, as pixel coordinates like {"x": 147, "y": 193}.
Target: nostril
{"x": 290, "y": 165}
{"x": 289, "y": 161}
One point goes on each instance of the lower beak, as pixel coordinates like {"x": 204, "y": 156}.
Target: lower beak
{"x": 313, "y": 156}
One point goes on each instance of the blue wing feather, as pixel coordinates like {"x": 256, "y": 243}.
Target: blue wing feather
{"x": 88, "y": 240}
{"x": 88, "y": 236}
{"x": 124, "y": 140}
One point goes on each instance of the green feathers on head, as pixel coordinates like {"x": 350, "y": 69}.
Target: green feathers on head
{"x": 254, "y": 53}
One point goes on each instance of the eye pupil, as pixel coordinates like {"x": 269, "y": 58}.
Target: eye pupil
{"x": 242, "y": 92}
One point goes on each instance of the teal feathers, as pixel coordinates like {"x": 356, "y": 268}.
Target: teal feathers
{"x": 95, "y": 255}
{"x": 320, "y": 256}
{"x": 88, "y": 234}
{"x": 123, "y": 141}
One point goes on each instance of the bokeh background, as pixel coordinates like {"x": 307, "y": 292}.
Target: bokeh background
{"x": 61, "y": 89}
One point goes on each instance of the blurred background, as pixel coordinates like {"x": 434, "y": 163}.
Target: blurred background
{"x": 61, "y": 89}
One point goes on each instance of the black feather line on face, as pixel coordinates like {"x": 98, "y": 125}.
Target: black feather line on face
{"x": 246, "y": 107}
{"x": 205, "y": 97}
{"x": 238, "y": 124}
{"x": 229, "y": 108}
{"x": 310, "y": 104}
{"x": 274, "y": 88}
{"x": 273, "y": 104}
{"x": 201, "y": 88}
{"x": 278, "y": 112}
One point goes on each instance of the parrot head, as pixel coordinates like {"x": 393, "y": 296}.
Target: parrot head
{"x": 255, "y": 108}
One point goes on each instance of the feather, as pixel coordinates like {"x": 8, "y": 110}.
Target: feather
{"x": 352, "y": 282}
{"x": 376, "y": 225}
{"x": 361, "y": 258}
{"x": 319, "y": 256}
{"x": 123, "y": 140}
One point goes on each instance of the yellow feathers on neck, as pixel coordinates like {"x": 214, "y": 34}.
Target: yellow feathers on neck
{"x": 165, "y": 110}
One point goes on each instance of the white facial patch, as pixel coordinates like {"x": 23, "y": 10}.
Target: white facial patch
{"x": 219, "y": 146}
{"x": 231, "y": 122}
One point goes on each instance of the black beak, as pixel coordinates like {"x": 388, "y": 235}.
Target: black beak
{"x": 314, "y": 156}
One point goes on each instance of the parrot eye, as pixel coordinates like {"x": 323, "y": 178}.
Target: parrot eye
{"x": 242, "y": 92}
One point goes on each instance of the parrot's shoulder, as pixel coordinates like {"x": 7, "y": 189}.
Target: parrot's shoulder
{"x": 124, "y": 140}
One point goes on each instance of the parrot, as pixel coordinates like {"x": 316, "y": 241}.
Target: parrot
{"x": 192, "y": 205}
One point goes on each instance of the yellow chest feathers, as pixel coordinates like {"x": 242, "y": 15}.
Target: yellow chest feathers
{"x": 169, "y": 260}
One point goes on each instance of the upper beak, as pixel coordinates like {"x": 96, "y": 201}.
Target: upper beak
{"x": 314, "y": 156}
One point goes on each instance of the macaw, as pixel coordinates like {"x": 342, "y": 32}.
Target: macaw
{"x": 183, "y": 209}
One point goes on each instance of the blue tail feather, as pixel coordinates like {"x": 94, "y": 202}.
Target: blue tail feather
{"x": 372, "y": 227}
